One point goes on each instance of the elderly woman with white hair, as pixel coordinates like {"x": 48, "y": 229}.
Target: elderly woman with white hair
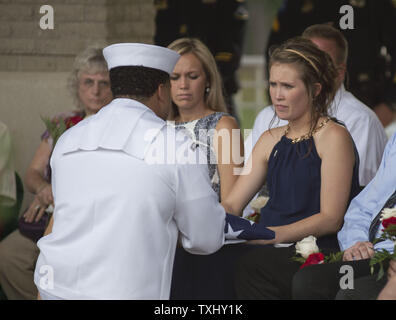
{"x": 89, "y": 85}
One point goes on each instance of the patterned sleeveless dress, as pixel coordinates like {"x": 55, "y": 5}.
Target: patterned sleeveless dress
{"x": 201, "y": 132}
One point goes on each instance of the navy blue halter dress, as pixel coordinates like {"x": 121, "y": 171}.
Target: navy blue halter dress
{"x": 294, "y": 185}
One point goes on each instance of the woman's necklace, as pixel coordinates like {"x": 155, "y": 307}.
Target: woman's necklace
{"x": 308, "y": 135}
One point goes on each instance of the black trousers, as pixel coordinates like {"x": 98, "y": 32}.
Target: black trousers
{"x": 266, "y": 273}
{"x": 269, "y": 273}
{"x": 206, "y": 277}
{"x": 327, "y": 281}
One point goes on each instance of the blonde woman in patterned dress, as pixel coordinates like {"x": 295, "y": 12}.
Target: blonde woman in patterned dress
{"x": 199, "y": 107}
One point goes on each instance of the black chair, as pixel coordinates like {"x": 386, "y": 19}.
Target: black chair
{"x": 9, "y": 214}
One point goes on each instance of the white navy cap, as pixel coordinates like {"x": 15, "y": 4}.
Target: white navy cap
{"x": 139, "y": 54}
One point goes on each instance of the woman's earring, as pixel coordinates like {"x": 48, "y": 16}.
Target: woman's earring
{"x": 207, "y": 90}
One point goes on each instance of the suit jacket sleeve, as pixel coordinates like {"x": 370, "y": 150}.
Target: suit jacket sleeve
{"x": 364, "y": 207}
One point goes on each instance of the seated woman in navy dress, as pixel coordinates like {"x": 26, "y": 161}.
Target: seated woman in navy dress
{"x": 310, "y": 166}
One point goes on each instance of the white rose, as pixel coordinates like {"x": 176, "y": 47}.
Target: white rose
{"x": 258, "y": 203}
{"x": 307, "y": 246}
{"x": 50, "y": 209}
{"x": 388, "y": 213}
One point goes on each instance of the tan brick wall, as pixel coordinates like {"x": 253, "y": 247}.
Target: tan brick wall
{"x": 35, "y": 63}
{"x": 24, "y": 46}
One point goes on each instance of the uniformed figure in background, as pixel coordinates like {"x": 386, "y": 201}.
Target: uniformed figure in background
{"x": 372, "y": 55}
{"x": 220, "y": 24}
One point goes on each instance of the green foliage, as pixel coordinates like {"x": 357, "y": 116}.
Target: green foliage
{"x": 334, "y": 257}
{"x": 391, "y": 231}
{"x": 255, "y": 217}
{"x": 382, "y": 256}
{"x": 298, "y": 259}
{"x": 247, "y": 117}
{"x": 331, "y": 258}
{"x": 55, "y": 127}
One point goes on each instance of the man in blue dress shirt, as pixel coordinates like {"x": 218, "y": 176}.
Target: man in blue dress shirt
{"x": 355, "y": 239}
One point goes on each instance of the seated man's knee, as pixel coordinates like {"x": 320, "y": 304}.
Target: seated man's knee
{"x": 5, "y": 252}
{"x": 301, "y": 284}
{"x": 309, "y": 283}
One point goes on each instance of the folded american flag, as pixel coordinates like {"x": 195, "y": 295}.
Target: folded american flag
{"x": 238, "y": 228}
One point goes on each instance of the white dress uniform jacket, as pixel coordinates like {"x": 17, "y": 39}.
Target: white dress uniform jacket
{"x": 363, "y": 124}
{"x": 117, "y": 217}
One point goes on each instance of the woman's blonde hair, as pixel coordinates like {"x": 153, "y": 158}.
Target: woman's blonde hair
{"x": 214, "y": 99}
{"x": 90, "y": 61}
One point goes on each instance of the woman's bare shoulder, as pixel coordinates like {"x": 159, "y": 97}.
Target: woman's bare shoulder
{"x": 333, "y": 137}
{"x": 273, "y": 135}
{"x": 333, "y": 132}
{"x": 268, "y": 140}
{"x": 227, "y": 122}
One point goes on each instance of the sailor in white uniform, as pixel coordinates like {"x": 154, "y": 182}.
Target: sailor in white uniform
{"x": 120, "y": 197}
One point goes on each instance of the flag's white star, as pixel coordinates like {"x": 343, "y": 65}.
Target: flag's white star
{"x": 231, "y": 234}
